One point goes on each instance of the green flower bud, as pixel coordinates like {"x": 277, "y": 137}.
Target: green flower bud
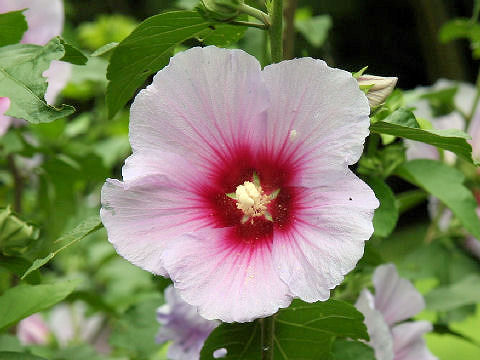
{"x": 221, "y": 9}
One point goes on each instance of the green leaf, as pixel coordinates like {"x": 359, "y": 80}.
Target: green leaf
{"x": 10, "y": 342}
{"x": 135, "y": 331}
{"x": 314, "y": 28}
{"x": 302, "y": 331}
{"x": 81, "y": 231}
{"x": 459, "y": 29}
{"x": 10, "y": 355}
{"x": 449, "y": 347}
{"x": 445, "y": 183}
{"x": 403, "y": 123}
{"x": 15, "y": 235}
{"x": 24, "y": 300}
{"x": 18, "y": 265}
{"x": 386, "y": 216}
{"x": 409, "y": 199}
{"x": 222, "y": 34}
{"x": 105, "y": 49}
{"x": 442, "y": 102}
{"x": 464, "y": 292}
{"x": 351, "y": 350}
{"x": 149, "y": 47}
{"x": 476, "y": 10}
{"x": 72, "y": 54}
{"x": 13, "y": 25}
{"x": 21, "y": 69}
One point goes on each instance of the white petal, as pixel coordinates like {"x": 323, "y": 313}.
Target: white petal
{"x": 144, "y": 213}
{"x": 380, "y": 337}
{"x": 204, "y": 104}
{"x": 396, "y": 298}
{"x": 226, "y": 280}
{"x": 322, "y": 107}
{"x": 408, "y": 342}
{"x": 331, "y": 225}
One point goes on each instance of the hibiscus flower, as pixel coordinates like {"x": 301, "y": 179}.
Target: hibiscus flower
{"x": 238, "y": 187}
{"x": 395, "y": 300}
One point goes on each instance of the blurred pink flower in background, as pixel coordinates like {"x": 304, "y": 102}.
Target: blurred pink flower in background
{"x": 45, "y": 21}
{"x": 238, "y": 187}
{"x": 395, "y": 300}
{"x": 66, "y": 323}
{"x": 33, "y": 330}
{"x": 182, "y": 325}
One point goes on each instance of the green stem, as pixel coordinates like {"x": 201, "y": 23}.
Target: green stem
{"x": 258, "y": 14}
{"x": 468, "y": 119}
{"x": 17, "y": 183}
{"x": 432, "y": 231}
{"x": 268, "y": 330}
{"x": 276, "y": 31}
{"x": 249, "y": 24}
{"x": 289, "y": 41}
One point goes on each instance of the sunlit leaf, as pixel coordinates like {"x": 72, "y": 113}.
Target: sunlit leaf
{"x": 81, "y": 231}
{"x": 23, "y": 300}
{"x": 15, "y": 234}
{"x": 148, "y": 49}
{"x": 11, "y": 355}
{"x": 445, "y": 183}
{"x": 403, "y": 123}
{"x": 21, "y": 80}
{"x": 464, "y": 292}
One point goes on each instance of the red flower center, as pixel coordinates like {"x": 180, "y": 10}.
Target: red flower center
{"x": 273, "y": 173}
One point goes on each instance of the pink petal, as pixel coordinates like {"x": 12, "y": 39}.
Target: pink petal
{"x": 5, "y": 121}
{"x": 331, "y": 224}
{"x": 57, "y": 76}
{"x": 33, "y": 330}
{"x": 396, "y": 298}
{"x": 182, "y": 325}
{"x": 44, "y": 18}
{"x": 205, "y": 104}
{"x": 317, "y": 112}
{"x": 230, "y": 281}
{"x": 144, "y": 213}
{"x": 380, "y": 337}
{"x": 408, "y": 342}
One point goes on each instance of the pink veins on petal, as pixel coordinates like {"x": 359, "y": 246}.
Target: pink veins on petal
{"x": 238, "y": 187}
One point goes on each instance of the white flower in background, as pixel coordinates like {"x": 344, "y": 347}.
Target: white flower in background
{"x": 45, "y": 20}
{"x": 395, "y": 300}
{"x": 463, "y": 101}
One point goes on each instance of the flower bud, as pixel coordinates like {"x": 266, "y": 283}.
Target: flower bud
{"x": 377, "y": 87}
{"x": 221, "y": 9}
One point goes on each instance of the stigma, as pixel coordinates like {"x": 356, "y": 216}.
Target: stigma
{"x": 252, "y": 200}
